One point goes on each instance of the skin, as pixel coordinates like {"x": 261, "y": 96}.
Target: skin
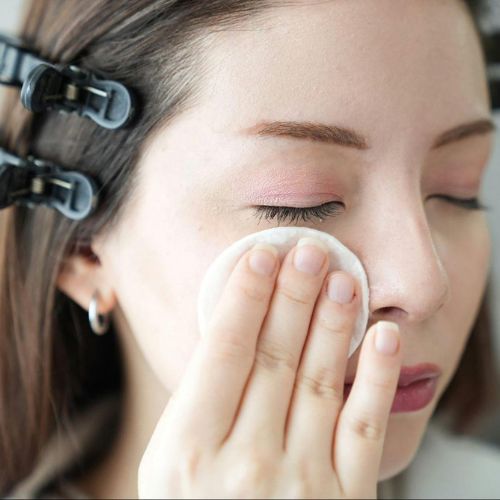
{"x": 399, "y": 72}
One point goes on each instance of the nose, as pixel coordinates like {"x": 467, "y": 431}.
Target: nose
{"x": 402, "y": 258}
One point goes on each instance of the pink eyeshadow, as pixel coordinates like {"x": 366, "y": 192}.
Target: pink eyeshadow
{"x": 296, "y": 189}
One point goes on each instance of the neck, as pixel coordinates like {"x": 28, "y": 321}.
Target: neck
{"x": 145, "y": 399}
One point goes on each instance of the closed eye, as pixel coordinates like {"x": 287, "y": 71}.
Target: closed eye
{"x": 295, "y": 214}
{"x": 468, "y": 203}
{"x": 334, "y": 208}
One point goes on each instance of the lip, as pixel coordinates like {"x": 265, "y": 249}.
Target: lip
{"x": 410, "y": 374}
{"x": 416, "y": 387}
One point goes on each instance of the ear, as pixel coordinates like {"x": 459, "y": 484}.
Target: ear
{"x": 81, "y": 275}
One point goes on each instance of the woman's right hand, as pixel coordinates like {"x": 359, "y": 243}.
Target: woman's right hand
{"x": 260, "y": 410}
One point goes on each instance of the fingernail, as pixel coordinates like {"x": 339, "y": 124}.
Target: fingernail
{"x": 309, "y": 255}
{"x": 340, "y": 288}
{"x": 263, "y": 259}
{"x": 387, "y": 337}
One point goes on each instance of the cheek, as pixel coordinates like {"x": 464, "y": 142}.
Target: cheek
{"x": 158, "y": 259}
{"x": 466, "y": 256}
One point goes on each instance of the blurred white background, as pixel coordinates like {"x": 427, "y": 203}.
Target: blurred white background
{"x": 10, "y": 14}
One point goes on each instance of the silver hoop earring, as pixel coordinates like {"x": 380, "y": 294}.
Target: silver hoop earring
{"x": 98, "y": 322}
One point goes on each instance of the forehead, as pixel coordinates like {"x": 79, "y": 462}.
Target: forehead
{"x": 401, "y": 64}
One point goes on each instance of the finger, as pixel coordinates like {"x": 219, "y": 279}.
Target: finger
{"x": 319, "y": 385}
{"x": 267, "y": 397}
{"x": 360, "y": 434}
{"x": 211, "y": 389}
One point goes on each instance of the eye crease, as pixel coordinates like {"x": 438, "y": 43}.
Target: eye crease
{"x": 307, "y": 214}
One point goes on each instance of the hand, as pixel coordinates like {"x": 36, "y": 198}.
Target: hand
{"x": 260, "y": 411}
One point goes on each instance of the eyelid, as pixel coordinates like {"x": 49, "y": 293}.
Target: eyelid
{"x": 281, "y": 213}
{"x": 467, "y": 203}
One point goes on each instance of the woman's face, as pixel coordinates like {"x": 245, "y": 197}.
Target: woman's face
{"x": 398, "y": 73}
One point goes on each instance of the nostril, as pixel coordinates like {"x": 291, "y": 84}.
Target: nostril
{"x": 389, "y": 313}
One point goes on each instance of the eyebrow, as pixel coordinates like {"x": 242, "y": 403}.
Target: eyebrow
{"x": 333, "y": 134}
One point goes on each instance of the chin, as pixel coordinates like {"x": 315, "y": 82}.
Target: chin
{"x": 403, "y": 437}
{"x": 387, "y": 471}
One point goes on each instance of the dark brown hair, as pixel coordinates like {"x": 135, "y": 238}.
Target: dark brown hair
{"x": 51, "y": 364}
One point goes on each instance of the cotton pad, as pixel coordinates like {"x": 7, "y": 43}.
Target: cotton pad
{"x": 284, "y": 239}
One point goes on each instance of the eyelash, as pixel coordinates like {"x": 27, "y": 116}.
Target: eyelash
{"x": 295, "y": 213}
{"x": 333, "y": 209}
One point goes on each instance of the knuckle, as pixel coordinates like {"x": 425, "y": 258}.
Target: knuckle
{"x": 252, "y": 471}
{"x": 229, "y": 347}
{"x": 322, "y": 384}
{"x": 300, "y": 488}
{"x": 297, "y": 296}
{"x": 301, "y": 484}
{"x": 335, "y": 324}
{"x": 274, "y": 357}
{"x": 253, "y": 292}
{"x": 385, "y": 386}
{"x": 366, "y": 429}
{"x": 308, "y": 473}
{"x": 188, "y": 463}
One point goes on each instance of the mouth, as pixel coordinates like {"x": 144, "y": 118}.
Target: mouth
{"x": 416, "y": 387}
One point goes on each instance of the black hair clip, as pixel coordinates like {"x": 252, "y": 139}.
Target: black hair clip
{"x": 45, "y": 86}
{"x": 32, "y": 182}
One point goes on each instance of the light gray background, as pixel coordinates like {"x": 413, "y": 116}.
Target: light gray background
{"x": 10, "y": 13}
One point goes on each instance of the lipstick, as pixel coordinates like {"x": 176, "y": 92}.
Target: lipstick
{"x": 416, "y": 387}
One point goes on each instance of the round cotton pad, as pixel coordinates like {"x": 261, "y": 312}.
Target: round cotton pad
{"x": 283, "y": 238}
